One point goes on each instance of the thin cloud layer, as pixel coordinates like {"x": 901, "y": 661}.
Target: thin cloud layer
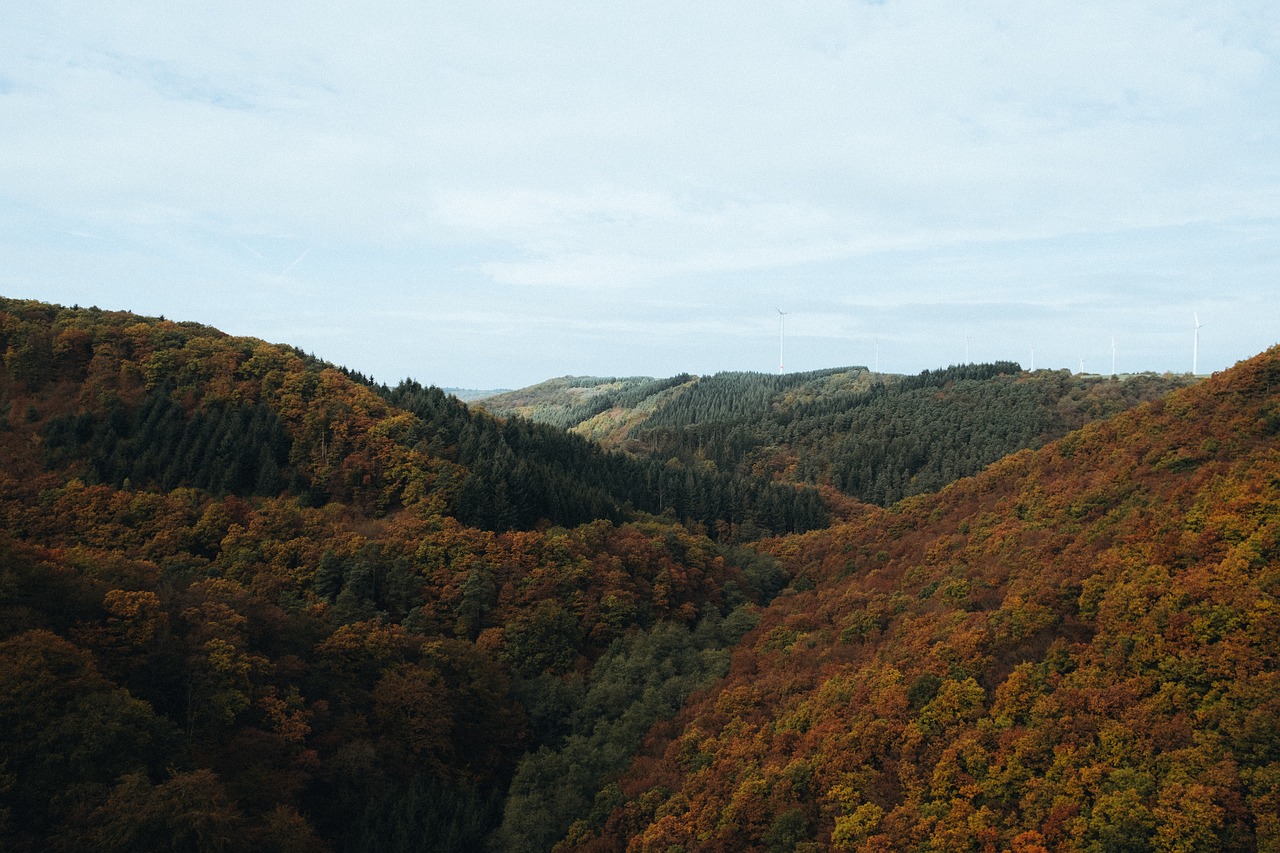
{"x": 652, "y": 180}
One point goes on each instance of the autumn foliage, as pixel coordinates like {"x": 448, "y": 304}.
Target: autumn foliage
{"x": 239, "y": 611}
{"x": 1076, "y": 650}
{"x": 230, "y": 583}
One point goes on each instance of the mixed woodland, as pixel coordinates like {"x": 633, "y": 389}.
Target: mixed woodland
{"x": 874, "y": 437}
{"x": 250, "y": 600}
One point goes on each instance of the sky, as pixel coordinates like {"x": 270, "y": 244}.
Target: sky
{"x": 486, "y": 195}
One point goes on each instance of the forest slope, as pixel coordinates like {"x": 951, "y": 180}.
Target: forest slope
{"x": 242, "y": 606}
{"x": 874, "y": 437}
{"x": 159, "y": 404}
{"x": 1075, "y": 650}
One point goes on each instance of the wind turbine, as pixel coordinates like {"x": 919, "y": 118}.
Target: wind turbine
{"x": 781, "y": 316}
{"x": 1113, "y": 355}
{"x": 1195, "y": 346}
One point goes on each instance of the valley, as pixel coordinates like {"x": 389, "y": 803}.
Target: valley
{"x": 250, "y": 600}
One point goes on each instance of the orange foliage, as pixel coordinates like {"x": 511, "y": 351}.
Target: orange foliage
{"x": 1066, "y": 652}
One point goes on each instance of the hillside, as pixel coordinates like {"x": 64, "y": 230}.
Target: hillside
{"x": 242, "y": 606}
{"x": 872, "y": 437}
{"x": 251, "y": 601}
{"x": 1075, "y": 650}
{"x": 569, "y": 401}
{"x": 193, "y": 407}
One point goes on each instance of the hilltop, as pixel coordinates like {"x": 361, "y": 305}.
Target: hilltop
{"x": 162, "y": 404}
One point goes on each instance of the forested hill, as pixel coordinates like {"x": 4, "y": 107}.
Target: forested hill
{"x": 873, "y": 437}
{"x": 253, "y": 602}
{"x": 569, "y": 401}
{"x": 1075, "y": 650}
{"x": 242, "y": 608}
{"x": 156, "y": 404}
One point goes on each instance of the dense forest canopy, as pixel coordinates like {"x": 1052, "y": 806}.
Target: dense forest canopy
{"x": 248, "y": 601}
{"x": 251, "y": 601}
{"x": 193, "y": 407}
{"x": 877, "y": 438}
{"x": 1076, "y": 650}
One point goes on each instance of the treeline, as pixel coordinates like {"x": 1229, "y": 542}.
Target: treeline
{"x": 238, "y": 609}
{"x": 521, "y": 472}
{"x": 619, "y": 393}
{"x": 888, "y": 440}
{"x": 874, "y": 437}
{"x": 166, "y": 405}
{"x": 730, "y": 398}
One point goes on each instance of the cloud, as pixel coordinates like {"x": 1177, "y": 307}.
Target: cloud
{"x": 541, "y": 159}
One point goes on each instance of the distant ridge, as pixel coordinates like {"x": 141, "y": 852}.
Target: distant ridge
{"x": 471, "y": 395}
{"x": 874, "y": 437}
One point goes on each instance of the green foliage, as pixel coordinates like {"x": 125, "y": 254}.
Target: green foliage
{"x": 521, "y": 473}
{"x": 223, "y": 448}
{"x": 877, "y": 438}
{"x": 642, "y": 678}
{"x": 570, "y": 401}
{"x": 763, "y": 576}
{"x": 425, "y": 816}
{"x": 885, "y": 440}
{"x": 545, "y": 641}
{"x": 65, "y": 730}
{"x": 727, "y": 398}
{"x": 788, "y": 830}
{"x": 923, "y": 689}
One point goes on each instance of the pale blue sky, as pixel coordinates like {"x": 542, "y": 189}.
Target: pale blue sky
{"x": 490, "y": 194}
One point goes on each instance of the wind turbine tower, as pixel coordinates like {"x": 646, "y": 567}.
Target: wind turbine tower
{"x": 781, "y": 317}
{"x": 1195, "y": 347}
{"x": 1113, "y": 355}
